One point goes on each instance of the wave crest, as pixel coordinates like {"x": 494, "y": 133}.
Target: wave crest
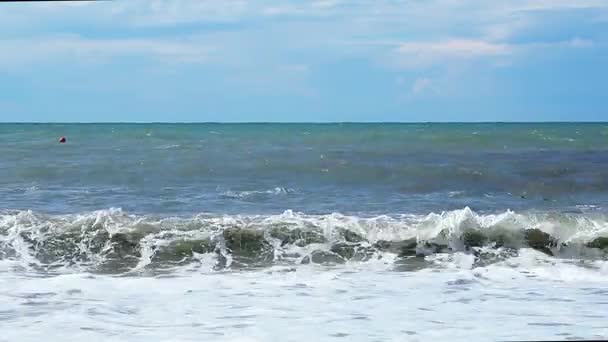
{"x": 113, "y": 241}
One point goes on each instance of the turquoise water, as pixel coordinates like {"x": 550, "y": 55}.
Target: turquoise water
{"x": 363, "y": 169}
{"x": 297, "y": 232}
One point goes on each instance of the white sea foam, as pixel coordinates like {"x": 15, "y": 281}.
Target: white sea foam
{"x": 308, "y": 303}
{"x": 81, "y": 241}
{"x": 527, "y": 295}
{"x": 257, "y": 193}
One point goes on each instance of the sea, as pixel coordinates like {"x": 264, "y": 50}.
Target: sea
{"x": 304, "y": 232}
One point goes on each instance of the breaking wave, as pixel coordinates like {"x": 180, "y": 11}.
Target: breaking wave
{"x": 113, "y": 241}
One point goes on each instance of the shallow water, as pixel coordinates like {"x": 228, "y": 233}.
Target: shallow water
{"x": 354, "y": 302}
{"x": 366, "y": 232}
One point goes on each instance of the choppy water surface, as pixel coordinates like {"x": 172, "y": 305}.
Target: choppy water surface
{"x": 261, "y": 232}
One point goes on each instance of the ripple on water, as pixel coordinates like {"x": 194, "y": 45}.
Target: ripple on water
{"x": 340, "y": 334}
{"x": 8, "y": 315}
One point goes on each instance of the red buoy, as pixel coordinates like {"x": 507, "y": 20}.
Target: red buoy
{"x": 62, "y": 140}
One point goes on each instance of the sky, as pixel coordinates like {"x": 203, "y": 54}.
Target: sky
{"x": 304, "y": 61}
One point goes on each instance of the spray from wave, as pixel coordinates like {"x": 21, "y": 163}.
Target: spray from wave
{"x": 115, "y": 242}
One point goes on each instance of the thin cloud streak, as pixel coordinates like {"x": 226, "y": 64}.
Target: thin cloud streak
{"x": 81, "y": 50}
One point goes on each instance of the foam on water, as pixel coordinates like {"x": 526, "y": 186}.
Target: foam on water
{"x": 383, "y": 245}
{"x": 210, "y": 287}
{"x": 255, "y": 194}
{"x": 360, "y": 302}
{"x": 116, "y": 242}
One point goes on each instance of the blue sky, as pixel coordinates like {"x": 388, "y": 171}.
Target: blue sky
{"x": 315, "y": 60}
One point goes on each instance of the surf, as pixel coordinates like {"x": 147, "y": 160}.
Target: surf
{"x": 114, "y": 241}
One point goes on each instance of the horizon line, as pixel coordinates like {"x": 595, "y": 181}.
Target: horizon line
{"x": 293, "y": 122}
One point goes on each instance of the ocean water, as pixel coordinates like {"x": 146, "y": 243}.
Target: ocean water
{"x": 298, "y": 232}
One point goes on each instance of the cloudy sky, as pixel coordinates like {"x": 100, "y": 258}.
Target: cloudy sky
{"x": 316, "y": 60}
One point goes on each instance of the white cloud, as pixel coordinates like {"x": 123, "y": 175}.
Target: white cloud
{"x": 131, "y": 13}
{"x": 539, "y": 5}
{"x": 172, "y": 12}
{"x": 460, "y": 48}
{"x": 417, "y": 55}
{"x": 280, "y": 10}
{"x": 319, "y": 8}
{"x": 325, "y": 3}
{"x": 78, "y": 49}
{"x": 421, "y": 85}
{"x": 420, "y": 54}
{"x": 375, "y": 30}
{"x": 580, "y": 43}
{"x": 169, "y": 12}
{"x": 505, "y": 29}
